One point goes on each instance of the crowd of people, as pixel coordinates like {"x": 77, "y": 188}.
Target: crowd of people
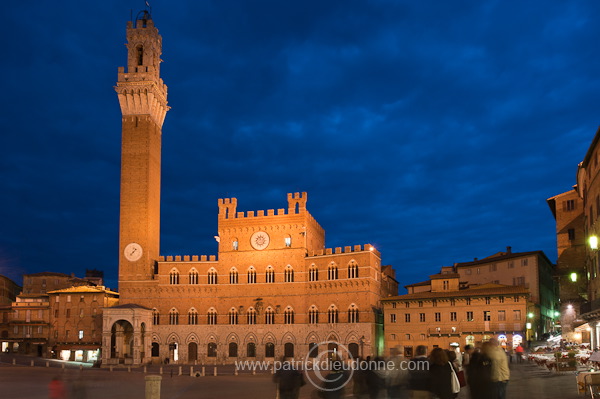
{"x": 440, "y": 374}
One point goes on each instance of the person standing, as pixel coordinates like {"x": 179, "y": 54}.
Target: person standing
{"x": 479, "y": 373}
{"x": 288, "y": 380}
{"x": 440, "y": 374}
{"x": 396, "y": 376}
{"x": 500, "y": 370}
{"x": 519, "y": 353}
{"x": 56, "y": 389}
{"x": 418, "y": 374}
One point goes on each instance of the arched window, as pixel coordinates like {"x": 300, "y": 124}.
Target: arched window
{"x": 174, "y": 277}
{"x": 212, "y": 276}
{"x": 269, "y": 349}
{"x": 251, "y": 349}
{"x": 211, "y": 350}
{"x": 332, "y": 272}
{"x": 174, "y": 317}
{"x": 233, "y": 316}
{"x": 270, "y": 274}
{"x": 332, "y": 315}
{"x": 288, "y": 241}
{"x": 192, "y": 316}
{"x": 313, "y": 315}
{"x": 155, "y": 317}
{"x": 353, "y": 314}
{"x": 288, "y": 349}
{"x": 269, "y": 316}
{"x": 352, "y": 270}
{"x": 212, "y": 316}
{"x": 289, "y": 274}
{"x": 233, "y": 349}
{"x": 251, "y": 315}
{"x": 288, "y": 315}
{"x": 251, "y": 275}
{"x": 235, "y": 244}
{"x": 233, "y": 276}
{"x": 193, "y": 276}
{"x": 313, "y": 273}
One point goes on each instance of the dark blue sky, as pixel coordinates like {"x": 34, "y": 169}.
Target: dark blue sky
{"x": 433, "y": 130}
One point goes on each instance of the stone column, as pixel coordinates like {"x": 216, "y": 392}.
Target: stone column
{"x": 136, "y": 347}
{"x": 153, "y": 386}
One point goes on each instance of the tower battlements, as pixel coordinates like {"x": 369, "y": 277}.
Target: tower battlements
{"x": 346, "y": 249}
{"x": 296, "y": 205}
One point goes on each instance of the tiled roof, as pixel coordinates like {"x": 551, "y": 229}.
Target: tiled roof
{"x": 83, "y": 289}
{"x": 479, "y": 290}
{"x": 501, "y": 256}
{"x": 422, "y": 283}
{"x": 440, "y": 276}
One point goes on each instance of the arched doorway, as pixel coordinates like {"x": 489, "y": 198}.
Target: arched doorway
{"x": 233, "y": 349}
{"x": 155, "y": 349}
{"x": 332, "y": 350}
{"x": 313, "y": 350}
{"x": 192, "y": 352}
{"x": 121, "y": 341}
{"x": 288, "y": 349}
{"x": 251, "y": 349}
{"x": 353, "y": 349}
{"x": 269, "y": 349}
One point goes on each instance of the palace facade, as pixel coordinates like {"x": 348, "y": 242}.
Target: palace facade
{"x": 272, "y": 290}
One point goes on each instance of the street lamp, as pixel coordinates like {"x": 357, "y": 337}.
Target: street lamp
{"x": 593, "y": 241}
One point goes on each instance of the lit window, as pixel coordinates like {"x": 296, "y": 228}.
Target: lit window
{"x": 288, "y": 241}
{"x": 80, "y": 334}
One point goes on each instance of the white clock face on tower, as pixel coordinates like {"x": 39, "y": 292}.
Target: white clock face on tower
{"x": 259, "y": 240}
{"x": 133, "y": 252}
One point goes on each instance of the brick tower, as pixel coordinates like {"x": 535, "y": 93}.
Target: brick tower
{"x": 143, "y": 100}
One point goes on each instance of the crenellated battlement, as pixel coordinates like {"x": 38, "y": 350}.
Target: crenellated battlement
{"x": 296, "y": 205}
{"x": 346, "y": 250}
{"x": 188, "y": 258}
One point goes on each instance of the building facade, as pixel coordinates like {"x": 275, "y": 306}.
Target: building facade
{"x": 588, "y": 188}
{"x": 442, "y": 314}
{"x": 571, "y": 277}
{"x": 75, "y": 321}
{"x": 532, "y": 270}
{"x": 273, "y": 289}
{"x": 27, "y": 322}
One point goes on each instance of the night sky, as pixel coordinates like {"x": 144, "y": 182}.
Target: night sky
{"x": 433, "y": 130}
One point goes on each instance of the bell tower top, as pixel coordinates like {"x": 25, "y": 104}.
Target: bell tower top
{"x": 140, "y": 88}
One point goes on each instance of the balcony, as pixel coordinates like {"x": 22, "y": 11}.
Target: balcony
{"x": 476, "y": 327}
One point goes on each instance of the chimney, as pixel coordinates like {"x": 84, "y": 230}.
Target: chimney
{"x": 508, "y": 250}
